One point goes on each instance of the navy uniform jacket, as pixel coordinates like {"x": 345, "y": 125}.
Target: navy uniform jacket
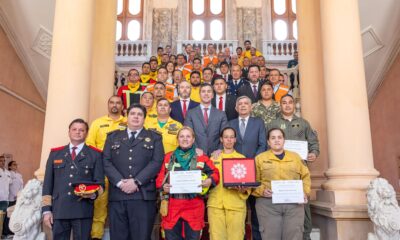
{"x": 233, "y": 88}
{"x": 61, "y": 173}
{"x": 140, "y": 160}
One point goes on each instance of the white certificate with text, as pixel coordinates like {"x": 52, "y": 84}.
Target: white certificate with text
{"x": 287, "y": 191}
{"x": 185, "y": 181}
{"x": 299, "y": 147}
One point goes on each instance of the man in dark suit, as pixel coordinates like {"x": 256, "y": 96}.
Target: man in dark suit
{"x": 251, "y": 141}
{"x": 223, "y": 101}
{"x": 132, "y": 158}
{"x": 180, "y": 107}
{"x": 252, "y": 90}
{"x": 246, "y": 66}
{"x": 236, "y": 80}
{"x": 206, "y": 121}
{"x": 74, "y": 163}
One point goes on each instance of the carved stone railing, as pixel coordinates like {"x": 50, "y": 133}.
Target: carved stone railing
{"x": 279, "y": 51}
{"x": 132, "y": 51}
{"x": 219, "y": 45}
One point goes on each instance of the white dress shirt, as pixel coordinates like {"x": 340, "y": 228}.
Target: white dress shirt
{"x": 223, "y": 101}
{"x": 16, "y": 185}
{"x": 187, "y": 104}
{"x": 5, "y": 182}
{"x": 78, "y": 148}
{"x": 208, "y": 110}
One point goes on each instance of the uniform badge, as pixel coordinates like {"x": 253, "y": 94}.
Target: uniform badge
{"x": 283, "y": 126}
{"x": 147, "y": 139}
{"x": 58, "y": 161}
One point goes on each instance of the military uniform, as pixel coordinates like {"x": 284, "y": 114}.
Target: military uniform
{"x": 70, "y": 211}
{"x": 132, "y": 215}
{"x": 300, "y": 129}
{"x": 97, "y": 137}
{"x": 266, "y": 114}
{"x": 169, "y": 132}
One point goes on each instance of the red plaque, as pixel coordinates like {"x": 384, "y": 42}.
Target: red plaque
{"x": 239, "y": 172}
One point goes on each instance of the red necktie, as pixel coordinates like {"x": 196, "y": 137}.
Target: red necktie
{"x": 73, "y": 154}
{"x": 206, "y": 115}
{"x": 220, "y": 104}
{"x": 184, "y": 110}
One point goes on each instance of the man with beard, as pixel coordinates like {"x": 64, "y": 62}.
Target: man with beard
{"x": 153, "y": 68}
{"x": 253, "y": 88}
{"x": 180, "y": 107}
{"x": 211, "y": 57}
{"x": 247, "y": 53}
{"x": 97, "y": 137}
{"x": 195, "y": 81}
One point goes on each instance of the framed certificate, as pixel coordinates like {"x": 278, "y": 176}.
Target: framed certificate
{"x": 185, "y": 181}
{"x": 239, "y": 172}
{"x": 287, "y": 191}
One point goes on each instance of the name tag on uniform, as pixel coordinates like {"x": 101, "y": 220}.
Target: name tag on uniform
{"x": 58, "y": 161}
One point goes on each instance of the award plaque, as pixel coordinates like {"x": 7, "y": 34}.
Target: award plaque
{"x": 239, "y": 172}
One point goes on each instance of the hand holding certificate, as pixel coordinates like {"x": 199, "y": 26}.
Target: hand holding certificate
{"x": 287, "y": 191}
{"x": 185, "y": 182}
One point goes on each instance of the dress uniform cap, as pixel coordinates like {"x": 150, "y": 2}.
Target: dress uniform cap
{"x": 85, "y": 187}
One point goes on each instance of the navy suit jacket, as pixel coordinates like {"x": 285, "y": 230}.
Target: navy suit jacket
{"x": 246, "y": 90}
{"x": 254, "y": 141}
{"x": 176, "y": 110}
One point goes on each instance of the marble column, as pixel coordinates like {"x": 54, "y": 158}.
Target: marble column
{"x": 103, "y": 57}
{"x": 70, "y": 72}
{"x": 312, "y": 84}
{"x": 340, "y": 209}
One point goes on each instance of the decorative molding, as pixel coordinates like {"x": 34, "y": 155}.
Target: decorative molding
{"x": 23, "y": 54}
{"x": 378, "y": 43}
{"x": 43, "y": 42}
{"x": 21, "y": 98}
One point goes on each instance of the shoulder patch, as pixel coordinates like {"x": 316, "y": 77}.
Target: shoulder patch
{"x": 56, "y": 149}
{"x": 96, "y": 149}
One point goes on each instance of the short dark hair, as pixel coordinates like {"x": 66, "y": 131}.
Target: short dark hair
{"x": 218, "y": 78}
{"x": 224, "y": 63}
{"x": 79, "y": 120}
{"x": 145, "y": 63}
{"x": 275, "y": 69}
{"x": 195, "y": 72}
{"x": 160, "y": 48}
{"x": 153, "y": 60}
{"x": 273, "y": 129}
{"x": 239, "y": 48}
{"x": 227, "y": 128}
{"x": 208, "y": 69}
{"x": 137, "y": 105}
{"x": 203, "y": 85}
{"x": 196, "y": 58}
{"x": 180, "y": 55}
{"x": 131, "y": 70}
{"x": 163, "y": 99}
{"x": 268, "y": 83}
{"x": 247, "y": 41}
{"x": 10, "y": 163}
{"x": 159, "y": 83}
{"x": 254, "y": 66}
{"x": 114, "y": 96}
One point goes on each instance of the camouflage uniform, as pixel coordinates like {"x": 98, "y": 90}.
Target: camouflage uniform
{"x": 299, "y": 129}
{"x": 267, "y": 114}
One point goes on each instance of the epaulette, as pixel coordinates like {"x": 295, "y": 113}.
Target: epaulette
{"x": 57, "y": 149}
{"x": 95, "y": 148}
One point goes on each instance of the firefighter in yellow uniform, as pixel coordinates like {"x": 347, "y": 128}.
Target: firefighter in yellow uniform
{"x": 226, "y": 207}
{"x": 164, "y": 125}
{"x": 97, "y": 137}
{"x": 195, "y": 81}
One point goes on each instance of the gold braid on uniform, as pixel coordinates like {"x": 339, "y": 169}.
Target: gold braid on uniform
{"x": 46, "y": 200}
{"x": 100, "y": 191}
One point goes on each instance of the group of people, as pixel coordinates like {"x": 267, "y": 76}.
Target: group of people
{"x": 188, "y": 115}
{"x": 11, "y": 183}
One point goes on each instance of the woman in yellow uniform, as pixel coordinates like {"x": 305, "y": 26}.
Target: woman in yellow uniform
{"x": 164, "y": 125}
{"x": 227, "y": 206}
{"x": 279, "y": 221}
